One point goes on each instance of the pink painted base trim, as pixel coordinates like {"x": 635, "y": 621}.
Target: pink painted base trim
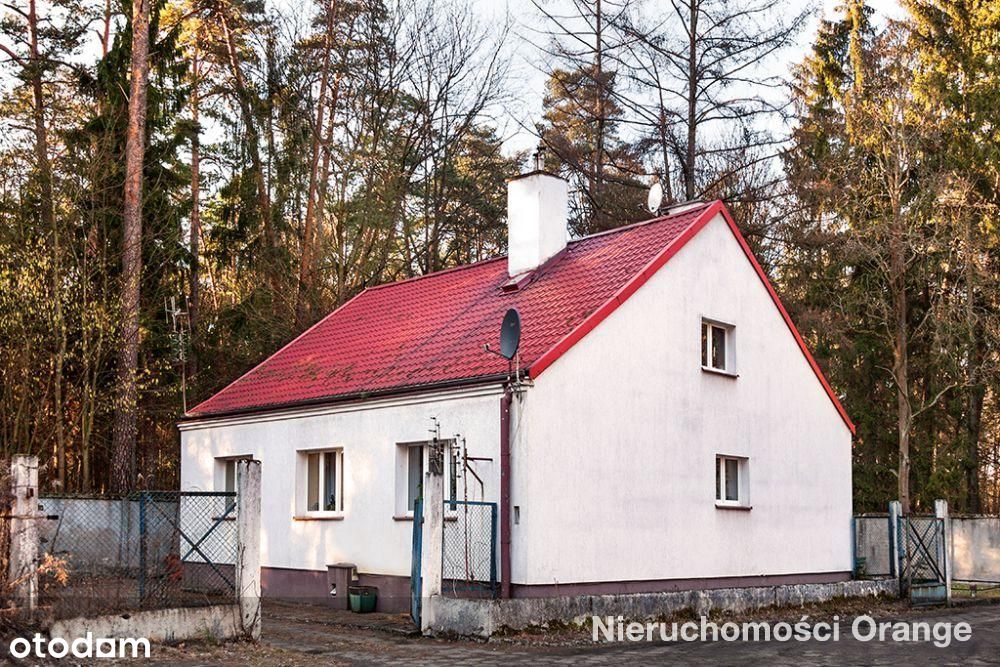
{"x": 394, "y": 591}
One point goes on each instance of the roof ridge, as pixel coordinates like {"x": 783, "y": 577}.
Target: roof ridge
{"x": 606, "y": 232}
{"x": 698, "y": 209}
{"x": 451, "y": 269}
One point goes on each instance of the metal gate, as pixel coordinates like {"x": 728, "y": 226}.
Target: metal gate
{"x": 415, "y": 581}
{"x": 469, "y": 552}
{"x": 469, "y": 564}
{"x": 923, "y": 557}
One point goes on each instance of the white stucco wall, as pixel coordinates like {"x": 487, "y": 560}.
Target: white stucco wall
{"x": 615, "y": 445}
{"x": 368, "y": 535}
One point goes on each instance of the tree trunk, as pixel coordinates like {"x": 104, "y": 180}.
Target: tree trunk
{"x": 897, "y": 280}
{"x": 253, "y": 137}
{"x": 48, "y": 222}
{"x": 124, "y": 431}
{"x": 975, "y": 390}
{"x": 692, "y": 100}
{"x": 598, "y": 177}
{"x": 303, "y": 310}
{"x": 194, "y": 303}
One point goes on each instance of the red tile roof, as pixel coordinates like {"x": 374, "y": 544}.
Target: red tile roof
{"x": 429, "y": 331}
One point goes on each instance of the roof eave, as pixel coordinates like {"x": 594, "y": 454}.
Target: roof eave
{"x": 407, "y": 390}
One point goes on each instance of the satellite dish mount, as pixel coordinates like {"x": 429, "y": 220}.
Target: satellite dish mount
{"x": 510, "y": 344}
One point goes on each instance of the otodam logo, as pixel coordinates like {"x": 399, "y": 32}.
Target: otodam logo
{"x": 81, "y": 647}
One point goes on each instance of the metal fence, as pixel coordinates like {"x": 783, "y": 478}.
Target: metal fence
{"x": 873, "y": 546}
{"x": 469, "y": 553}
{"x": 146, "y": 550}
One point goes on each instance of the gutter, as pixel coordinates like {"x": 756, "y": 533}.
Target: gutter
{"x": 505, "y": 526}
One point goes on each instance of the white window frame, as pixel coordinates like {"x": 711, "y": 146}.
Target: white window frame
{"x": 222, "y": 467}
{"x": 223, "y": 464}
{"x": 742, "y": 500}
{"x": 451, "y": 485}
{"x": 302, "y": 483}
{"x": 729, "y": 346}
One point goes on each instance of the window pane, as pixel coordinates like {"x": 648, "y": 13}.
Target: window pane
{"x": 312, "y": 483}
{"x": 330, "y": 481}
{"x": 718, "y": 348}
{"x": 718, "y": 478}
{"x": 732, "y": 479}
{"x": 704, "y": 344}
{"x": 230, "y": 476}
{"x": 415, "y": 476}
{"x": 453, "y": 475}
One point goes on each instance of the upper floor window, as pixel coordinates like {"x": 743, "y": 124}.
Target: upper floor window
{"x": 717, "y": 353}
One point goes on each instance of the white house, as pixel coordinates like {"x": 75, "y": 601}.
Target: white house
{"x": 671, "y": 429}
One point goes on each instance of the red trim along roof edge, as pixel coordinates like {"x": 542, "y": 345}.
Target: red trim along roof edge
{"x": 629, "y": 288}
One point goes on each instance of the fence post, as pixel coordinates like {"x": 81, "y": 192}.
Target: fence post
{"x": 941, "y": 512}
{"x": 895, "y": 510}
{"x": 24, "y": 531}
{"x": 432, "y": 541}
{"x": 248, "y": 546}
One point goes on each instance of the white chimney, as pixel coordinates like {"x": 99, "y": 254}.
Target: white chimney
{"x": 537, "y": 205}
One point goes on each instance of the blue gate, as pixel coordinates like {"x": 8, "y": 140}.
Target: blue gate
{"x": 923, "y": 558}
{"x": 469, "y": 557}
{"x": 415, "y": 587}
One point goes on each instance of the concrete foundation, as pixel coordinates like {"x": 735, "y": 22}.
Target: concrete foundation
{"x": 159, "y": 625}
{"x": 483, "y": 618}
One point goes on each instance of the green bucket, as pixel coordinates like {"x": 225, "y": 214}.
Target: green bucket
{"x": 362, "y": 598}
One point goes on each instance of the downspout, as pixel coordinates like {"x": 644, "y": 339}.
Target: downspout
{"x": 505, "y": 525}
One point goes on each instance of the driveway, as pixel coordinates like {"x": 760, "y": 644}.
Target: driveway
{"x": 308, "y": 637}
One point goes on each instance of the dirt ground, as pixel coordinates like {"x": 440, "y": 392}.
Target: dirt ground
{"x": 297, "y": 635}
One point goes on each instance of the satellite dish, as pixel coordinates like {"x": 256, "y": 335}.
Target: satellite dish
{"x": 655, "y": 198}
{"x": 510, "y": 334}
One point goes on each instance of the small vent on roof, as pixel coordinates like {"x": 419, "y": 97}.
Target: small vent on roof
{"x": 518, "y": 282}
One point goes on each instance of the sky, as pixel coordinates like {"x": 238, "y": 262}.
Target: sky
{"x": 530, "y": 81}
{"x": 527, "y": 81}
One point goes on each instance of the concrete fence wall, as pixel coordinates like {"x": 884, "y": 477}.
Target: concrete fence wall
{"x": 974, "y": 552}
{"x": 976, "y": 548}
{"x": 872, "y": 541}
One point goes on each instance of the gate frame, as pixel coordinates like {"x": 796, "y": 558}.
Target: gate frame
{"x": 901, "y": 552}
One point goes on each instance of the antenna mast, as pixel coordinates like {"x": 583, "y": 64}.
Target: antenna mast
{"x": 177, "y": 319}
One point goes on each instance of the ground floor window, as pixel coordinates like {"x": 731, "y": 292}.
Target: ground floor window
{"x": 225, "y": 476}
{"x": 411, "y": 464}
{"x": 731, "y": 480}
{"x": 321, "y": 474}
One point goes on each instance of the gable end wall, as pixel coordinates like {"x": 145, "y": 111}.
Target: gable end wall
{"x": 614, "y": 447}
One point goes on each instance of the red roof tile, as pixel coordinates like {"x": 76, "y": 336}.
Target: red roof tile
{"x": 429, "y": 331}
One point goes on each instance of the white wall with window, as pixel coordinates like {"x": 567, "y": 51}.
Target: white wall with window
{"x": 370, "y": 527}
{"x": 620, "y": 438}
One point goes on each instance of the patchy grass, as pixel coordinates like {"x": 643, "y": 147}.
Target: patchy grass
{"x": 964, "y": 592}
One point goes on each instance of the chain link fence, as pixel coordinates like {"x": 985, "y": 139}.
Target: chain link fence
{"x": 146, "y": 550}
{"x": 469, "y": 552}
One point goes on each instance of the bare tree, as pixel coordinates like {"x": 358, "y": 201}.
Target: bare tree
{"x": 696, "y": 74}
